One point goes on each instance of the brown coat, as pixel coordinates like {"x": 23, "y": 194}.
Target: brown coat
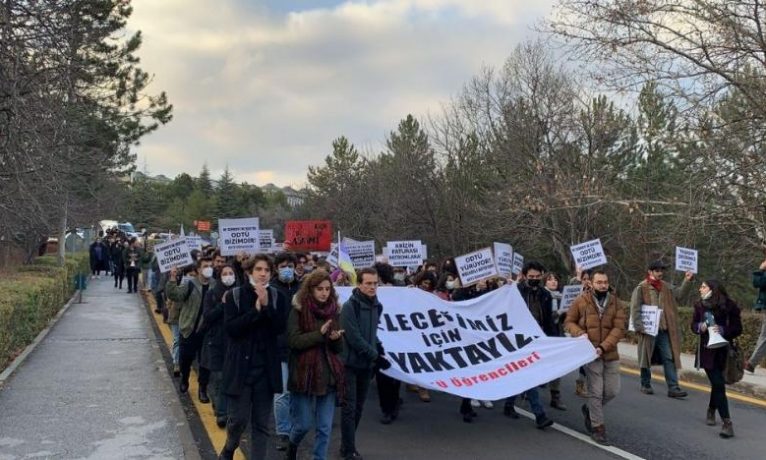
{"x": 666, "y": 299}
{"x": 605, "y": 331}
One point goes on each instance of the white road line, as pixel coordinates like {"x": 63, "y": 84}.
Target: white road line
{"x": 584, "y": 438}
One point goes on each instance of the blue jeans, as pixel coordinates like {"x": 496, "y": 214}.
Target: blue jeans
{"x": 662, "y": 346}
{"x": 533, "y": 396}
{"x": 175, "y": 349}
{"x": 312, "y": 411}
{"x": 282, "y": 419}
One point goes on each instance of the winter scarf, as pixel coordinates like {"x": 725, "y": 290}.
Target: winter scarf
{"x": 310, "y": 361}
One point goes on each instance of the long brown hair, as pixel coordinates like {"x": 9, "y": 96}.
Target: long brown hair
{"x": 305, "y": 293}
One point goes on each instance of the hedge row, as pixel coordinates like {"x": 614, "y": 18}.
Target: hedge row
{"x": 751, "y": 328}
{"x": 31, "y": 297}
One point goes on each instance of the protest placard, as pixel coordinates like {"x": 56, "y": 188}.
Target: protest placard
{"x": 518, "y": 263}
{"x": 686, "y": 260}
{"x": 504, "y": 259}
{"x": 308, "y": 235}
{"x": 266, "y": 241}
{"x": 568, "y": 295}
{"x": 405, "y": 253}
{"x": 650, "y": 317}
{"x": 238, "y": 235}
{"x": 362, "y": 253}
{"x": 194, "y": 242}
{"x": 174, "y": 253}
{"x": 475, "y": 266}
{"x": 588, "y": 254}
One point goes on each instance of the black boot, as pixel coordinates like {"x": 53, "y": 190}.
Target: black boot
{"x": 203, "y": 398}
{"x": 226, "y": 454}
{"x": 292, "y": 452}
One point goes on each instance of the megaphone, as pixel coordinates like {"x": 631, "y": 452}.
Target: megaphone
{"x": 716, "y": 340}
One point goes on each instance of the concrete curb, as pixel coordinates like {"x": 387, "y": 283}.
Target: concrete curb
{"x": 692, "y": 376}
{"x": 8, "y": 372}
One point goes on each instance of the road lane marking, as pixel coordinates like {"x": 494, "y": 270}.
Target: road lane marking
{"x": 205, "y": 411}
{"x": 584, "y": 438}
{"x": 696, "y": 386}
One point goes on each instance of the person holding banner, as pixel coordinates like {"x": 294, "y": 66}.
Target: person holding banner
{"x": 667, "y": 344}
{"x": 601, "y": 316}
{"x": 316, "y": 371}
{"x": 252, "y": 375}
{"x": 716, "y": 312}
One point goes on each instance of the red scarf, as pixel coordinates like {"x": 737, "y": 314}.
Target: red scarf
{"x": 655, "y": 283}
{"x": 310, "y": 361}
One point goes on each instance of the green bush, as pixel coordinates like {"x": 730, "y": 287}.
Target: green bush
{"x": 31, "y": 297}
{"x": 751, "y": 328}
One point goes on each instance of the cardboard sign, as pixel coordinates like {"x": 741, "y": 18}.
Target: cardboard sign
{"x": 308, "y": 235}
{"x": 686, "y": 260}
{"x": 476, "y": 266}
{"x": 589, "y": 254}
{"x": 405, "y": 253}
{"x": 266, "y": 241}
{"x": 238, "y": 235}
{"x": 650, "y": 317}
{"x": 174, "y": 253}
{"x": 362, "y": 253}
{"x": 194, "y": 242}
{"x": 503, "y": 259}
{"x": 518, "y": 263}
{"x": 568, "y": 295}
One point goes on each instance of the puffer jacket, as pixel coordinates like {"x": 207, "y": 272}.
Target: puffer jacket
{"x": 603, "y": 331}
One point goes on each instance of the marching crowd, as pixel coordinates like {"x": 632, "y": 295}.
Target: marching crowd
{"x": 270, "y": 338}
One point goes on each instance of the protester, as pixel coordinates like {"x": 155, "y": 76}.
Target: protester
{"x": 189, "y": 296}
{"x": 759, "y": 282}
{"x": 654, "y": 291}
{"x": 300, "y": 265}
{"x": 446, "y": 285}
{"x": 316, "y": 371}
{"x": 718, "y": 313}
{"x": 219, "y": 261}
{"x": 425, "y": 280}
{"x": 99, "y": 258}
{"x": 118, "y": 263}
{"x": 214, "y": 346}
{"x": 539, "y": 303}
{"x": 252, "y": 375}
{"x": 361, "y": 352}
{"x": 581, "y": 278}
{"x": 552, "y": 285}
{"x": 159, "y": 280}
{"x": 174, "y": 313}
{"x": 340, "y": 278}
{"x": 131, "y": 259}
{"x": 284, "y": 281}
{"x": 388, "y": 388}
{"x": 601, "y": 316}
{"x": 147, "y": 258}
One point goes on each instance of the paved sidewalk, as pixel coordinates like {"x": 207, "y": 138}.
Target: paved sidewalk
{"x": 751, "y": 384}
{"x": 95, "y": 388}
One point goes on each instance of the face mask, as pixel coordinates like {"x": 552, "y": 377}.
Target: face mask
{"x": 449, "y": 285}
{"x": 533, "y": 283}
{"x": 207, "y": 272}
{"x": 228, "y": 280}
{"x": 286, "y": 274}
{"x": 707, "y": 295}
{"x": 308, "y": 269}
{"x": 252, "y": 280}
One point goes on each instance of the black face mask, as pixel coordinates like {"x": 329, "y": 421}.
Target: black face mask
{"x": 600, "y": 295}
{"x": 533, "y": 283}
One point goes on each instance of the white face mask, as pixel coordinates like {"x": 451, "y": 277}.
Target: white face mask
{"x": 449, "y": 285}
{"x": 228, "y": 280}
{"x": 207, "y": 272}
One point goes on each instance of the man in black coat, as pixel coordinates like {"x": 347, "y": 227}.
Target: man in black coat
{"x": 253, "y": 318}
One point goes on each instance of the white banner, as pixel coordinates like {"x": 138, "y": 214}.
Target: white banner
{"x": 504, "y": 259}
{"x": 589, "y": 254}
{"x": 518, "y": 263}
{"x": 568, "y": 295}
{"x": 174, "y": 253}
{"x": 266, "y": 241}
{"x": 362, "y": 253}
{"x": 650, "y": 316}
{"x": 475, "y": 266}
{"x": 686, "y": 260}
{"x": 405, "y": 253}
{"x": 487, "y": 348}
{"x": 238, "y": 235}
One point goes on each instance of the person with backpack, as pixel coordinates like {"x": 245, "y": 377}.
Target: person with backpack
{"x": 253, "y": 317}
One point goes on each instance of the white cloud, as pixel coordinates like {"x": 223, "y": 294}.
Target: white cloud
{"x": 266, "y": 92}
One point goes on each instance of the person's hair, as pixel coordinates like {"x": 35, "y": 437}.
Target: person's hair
{"x": 301, "y": 255}
{"x": 306, "y": 291}
{"x": 441, "y": 285}
{"x": 430, "y": 264}
{"x": 217, "y": 253}
{"x": 324, "y": 265}
{"x": 366, "y": 271}
{"x": 554, "y": 276}
{"x": 720, "y": 297}
{"x": 204, "y": 259}
{"x": 249, "y": 264}
{"x": 532, "y": 265}
{"x": 385, "y": 272}
{"x": 285, "y": 256}
{"x": 598, "y": 271}
{"x": 426, "y": 276}
{"x": 225, "y": 266}
{"x": 188, "y": 269}
{"x": 448, "y": 266}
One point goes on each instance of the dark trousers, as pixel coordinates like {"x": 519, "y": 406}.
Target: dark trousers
{"x": 357, "y": 386}
{"x": 119, "y": 276}
{"x": 132, "y": 279}
{"x": 718, "y": 398}
{"x": 254, "y": 405}
{"x": 159, "y": 299}
{"x": 388, "y": 393}
{"x": 191, "y": 347}
{"x": 465, "y": 406}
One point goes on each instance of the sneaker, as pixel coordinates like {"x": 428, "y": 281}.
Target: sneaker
{"x": 647, "y": 390}
{"x": 510, "y": 411}
{"x": 352, "y": 456}
{"x": 282, "y": 441}
{"x": 586, "y": 417}
{"x": 475, "y": 403}
{"x": 677, "y": 393}
{"x": 542, "y": 422}
{"x": 468, "y": 418}
{"x": 487, "y": 404}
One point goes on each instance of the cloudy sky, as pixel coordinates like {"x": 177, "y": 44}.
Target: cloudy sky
{"x": 265, "y": 86}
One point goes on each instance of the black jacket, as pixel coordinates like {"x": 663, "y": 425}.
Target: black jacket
{"x": 244, "y": 324}
{"x": 546, "y": 305}
{"x": 359, "y": 318}
{"x": 214, "y": 346}
{"x": 287, "y": 291}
